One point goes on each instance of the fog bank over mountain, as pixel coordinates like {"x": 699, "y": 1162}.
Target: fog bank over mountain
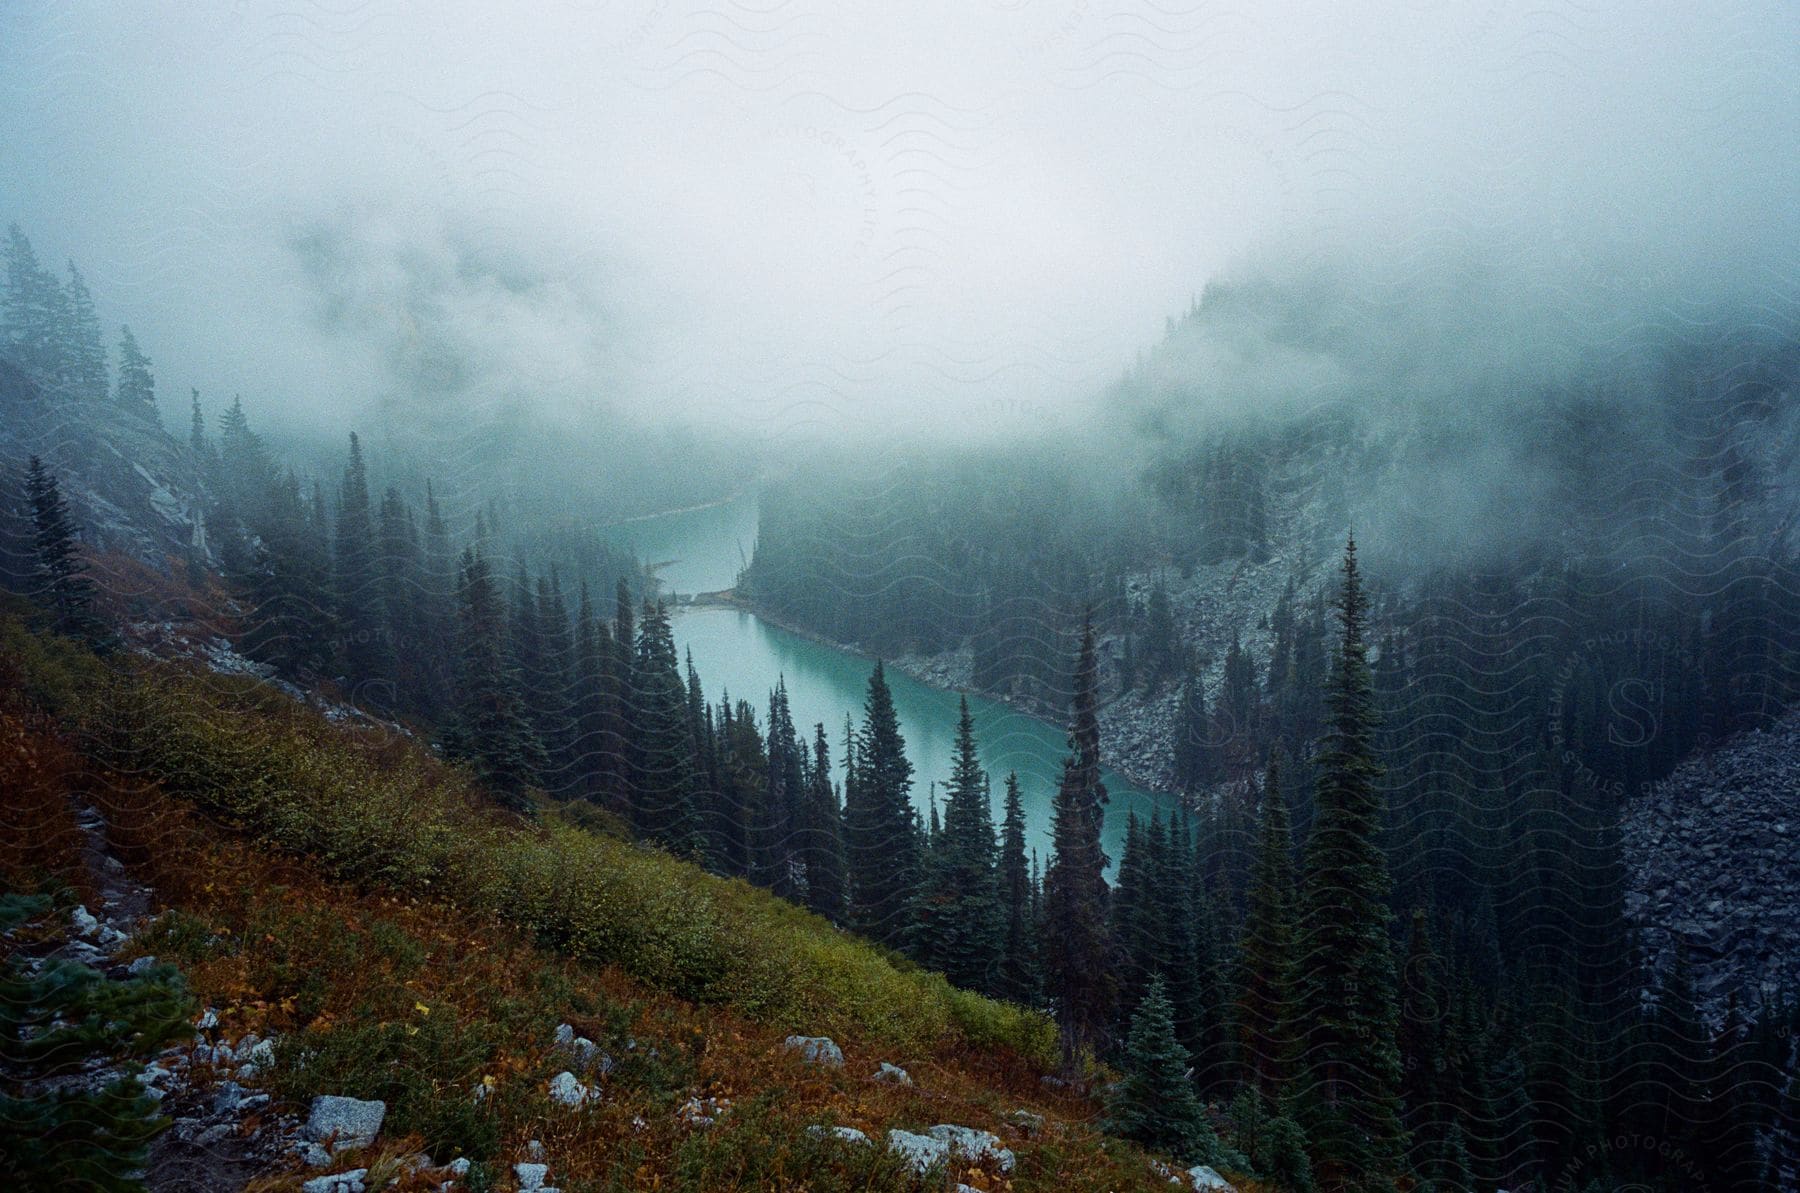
{"x": 946, "y": 222}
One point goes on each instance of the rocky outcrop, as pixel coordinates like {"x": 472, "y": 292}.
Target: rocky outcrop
{"x": 132, "y": 486}
{"x": 344, "y": 1123}
{"x": 1713, "y": 859}
{"x": 817, "y": 1050}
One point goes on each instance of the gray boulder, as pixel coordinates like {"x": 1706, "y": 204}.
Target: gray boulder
{"x": 921, "y": 1152}
{"x": 979, "y": 1147}
{"x": 893, "y": 1074}
{"x": 345, "y": 1122}
{"x": 1207, "y": 1181}
{"x": 531, "y": 1176}
{"x": 817, "y": 1050}
{"x": 567, "y": 1091}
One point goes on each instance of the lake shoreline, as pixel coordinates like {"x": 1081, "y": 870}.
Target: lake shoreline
{"x": 915, "y": 667}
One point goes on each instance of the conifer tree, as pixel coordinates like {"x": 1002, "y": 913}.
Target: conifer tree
{"x": 1155, "y": 1103}
{"x": 1419, "y": 1038}
{"x": 1263, "y": 1014}
{"x": 205, "y": 455}
{"x": 704, "y": 748}
{"x": 881, "y": 834}
{"x": 31, "y": 305}
{"x": 137, "y": 387}
{"x": 398, "y": 578}
{"x": 356, "y": 583}
{"x": 491, "y": 730}
{"x": 662, "y": 772}
{"x": 1183, "y": 920}
{"x": 1077, "y": 973}
{"x": 60, "y": 582}
{"x": 827, "y": 881}
{"x": 552, "y": 684}
{"x": 288, "y": 585}
{"x": 437, "y": 601}
{"x": 961, "y": 927}
{"x": 591, "y": 648}
{"x": 1018, "y": 976}
{"x": 622, "y": 703}
{"x": 1133, "y": 926}
{"x": 1196, "y": 759}
{"x": 85, "y": 353}
{"x": 246, "y": 469}
{"x": 1347, "y": 1067}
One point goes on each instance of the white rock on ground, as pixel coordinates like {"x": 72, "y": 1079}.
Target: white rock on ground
{"x": 1207, "y": 1181}
{"x": 567, "y": 1091}
{"x": 349, "y": 1122}
{"x": 531, "y": 1176}
{"x": 84, "y": 921}
{"x": 341, "y": 1182}
{"x": 893, "y": 1074}
{"x": 974, "y": 1145}
{"x": 921, "y": 1152}
{"x": 258, "y": 1058}
{"x": 817, "y": 1050}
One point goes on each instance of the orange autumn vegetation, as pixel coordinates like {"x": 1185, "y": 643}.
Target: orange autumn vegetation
{"x": 381, "y": 977}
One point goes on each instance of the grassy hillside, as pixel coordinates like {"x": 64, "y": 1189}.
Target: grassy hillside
{"x": 406, "y": 941}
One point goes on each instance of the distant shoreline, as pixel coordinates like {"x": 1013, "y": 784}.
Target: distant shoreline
{"x": 728, "y": 598}
{"x": 686, "y": 509}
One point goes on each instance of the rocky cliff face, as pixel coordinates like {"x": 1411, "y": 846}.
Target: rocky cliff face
{"x": 132, "y": 487}
{"x": 1714, "y": 859}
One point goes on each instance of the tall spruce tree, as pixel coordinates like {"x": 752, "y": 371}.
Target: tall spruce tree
{"x": 591, "y": 649}
{"x": 1078, "y": 975}
{"x": 60, "y": 581}
{"x": 1262, "y": 1016}
{"x": 881, "y": 834}
{"x": 490, "y": 731}
{"x": 31, "y": 304}
{"x": 827, "y": 879}
{"x": 83, "y": 349}
{"x": 356, "y": 585}
{"x": 960, "y": 924}
{"x": 137, "y": 386}
{"x": 1018, "y": 978}
{"x": 663, "y": 764}
{"x": 1346, "y": 1063}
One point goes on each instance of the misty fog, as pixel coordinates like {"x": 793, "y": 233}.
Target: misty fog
{"x": 944, "y": 222}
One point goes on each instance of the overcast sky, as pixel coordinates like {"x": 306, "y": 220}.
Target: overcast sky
{"x": 962, "y": 213}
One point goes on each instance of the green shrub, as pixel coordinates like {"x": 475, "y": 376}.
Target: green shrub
{"x": 391, "y": 816}
{"x": 754, "y": 1148}
{"x": 425, "y": 1069}
{"x": 58, "y": 1020}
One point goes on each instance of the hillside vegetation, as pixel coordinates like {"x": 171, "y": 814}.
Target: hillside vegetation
{"x": 403, "y": 939}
